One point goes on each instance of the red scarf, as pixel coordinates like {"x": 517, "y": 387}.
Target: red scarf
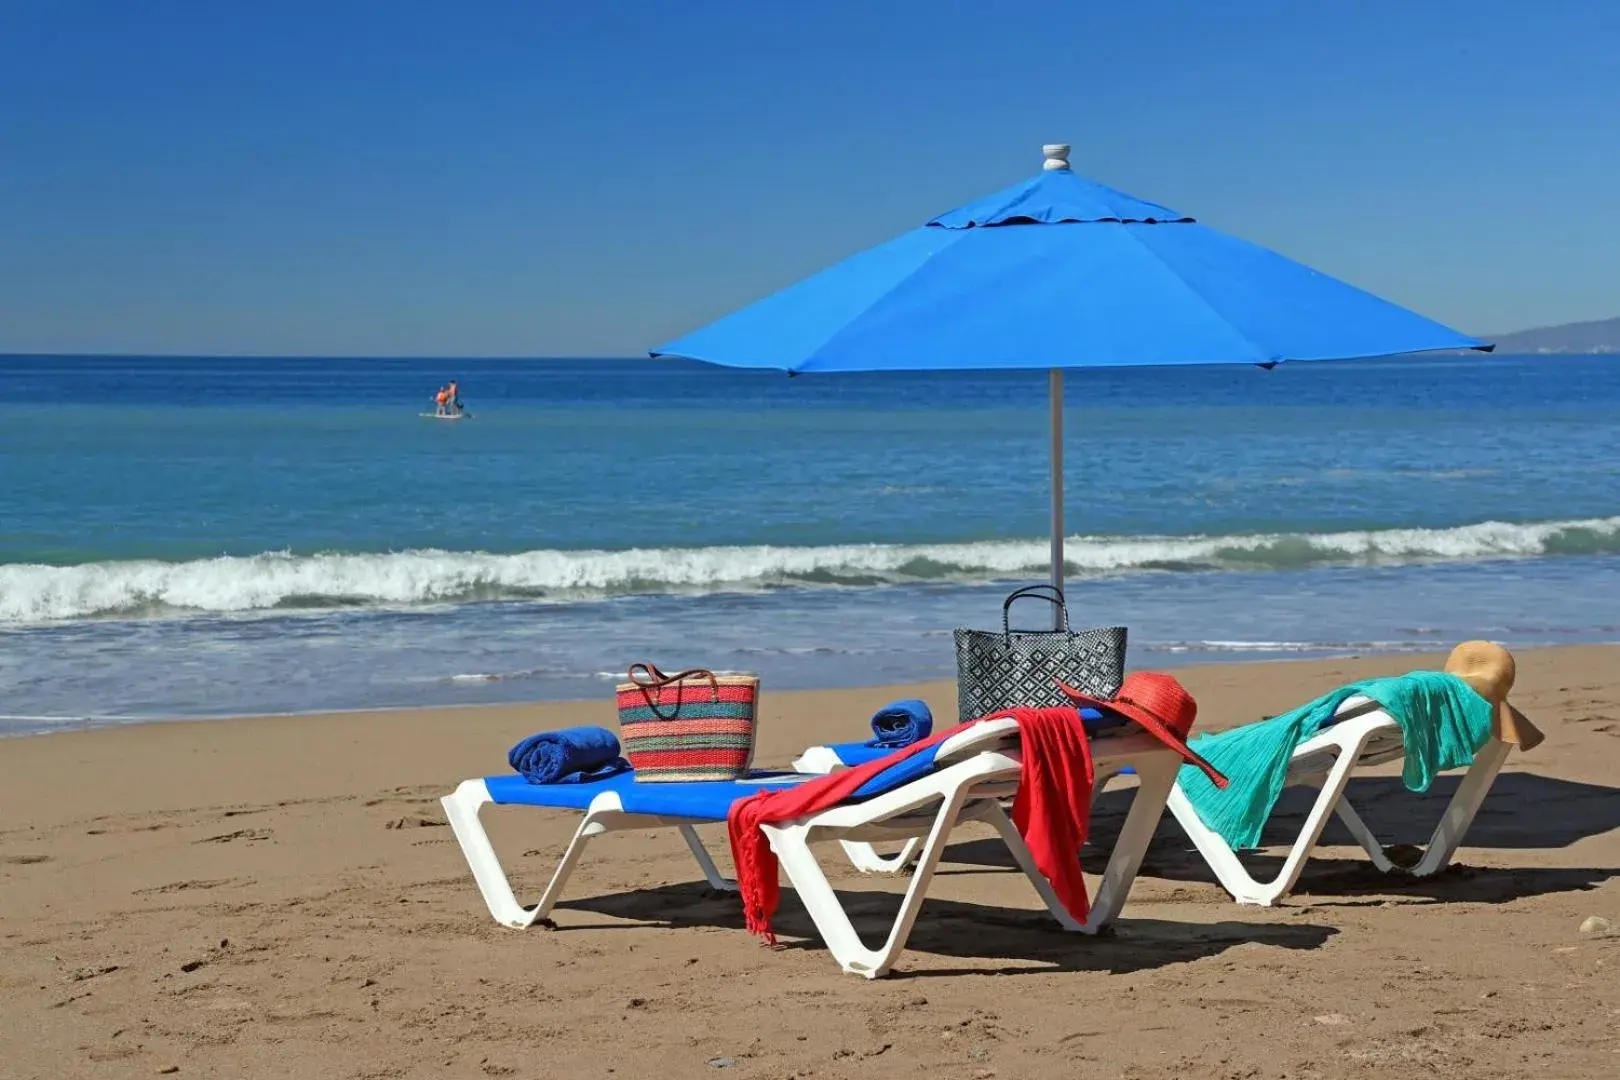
{"x": 1052, "y": 810}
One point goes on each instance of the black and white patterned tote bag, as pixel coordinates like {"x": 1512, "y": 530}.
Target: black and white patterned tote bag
{"x": 1002, "y": 670}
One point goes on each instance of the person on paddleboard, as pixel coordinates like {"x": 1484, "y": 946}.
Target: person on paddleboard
{"x": 455, "y": 397}
{"x": 441, "y": 401}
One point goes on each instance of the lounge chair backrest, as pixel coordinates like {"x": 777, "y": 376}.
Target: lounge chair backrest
{"x": 984, "y": 735}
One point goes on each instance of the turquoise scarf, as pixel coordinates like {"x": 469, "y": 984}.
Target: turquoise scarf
{"x": 1443, "y": 722}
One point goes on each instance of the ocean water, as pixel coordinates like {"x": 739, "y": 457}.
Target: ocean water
{"x": 186, "y": 537}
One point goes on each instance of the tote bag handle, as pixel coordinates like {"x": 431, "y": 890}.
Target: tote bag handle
{"x": 649, "y": 679}
{"x": 1050, "y": 593}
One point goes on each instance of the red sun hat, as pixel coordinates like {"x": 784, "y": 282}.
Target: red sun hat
{"x": 1160, "y": 704}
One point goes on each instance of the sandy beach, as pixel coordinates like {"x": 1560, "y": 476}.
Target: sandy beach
{"x": 279, "y": 897}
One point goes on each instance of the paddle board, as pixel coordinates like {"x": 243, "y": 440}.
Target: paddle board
{"x": 445, "y": 416}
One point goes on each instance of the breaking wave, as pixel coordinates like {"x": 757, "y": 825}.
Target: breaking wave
{"x": 33, "y": 594}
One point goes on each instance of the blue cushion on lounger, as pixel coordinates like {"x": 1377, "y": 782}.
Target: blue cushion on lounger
{"x": 702, "y": 799}
{"x": 857, "y": 753}
{"x": 705, "y": 799}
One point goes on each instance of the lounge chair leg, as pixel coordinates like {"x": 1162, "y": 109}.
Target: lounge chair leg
{"x": 576, "y": 847}
{"x": 1460, "y": 811}
{"x": 1364, "y": 836}
{"x": 1021, "y": 854}
{"x": 866, "y": 858}
{"x": 1454, "y": 822}
{"x": 1216, "y": 852}
{"x": 832, "y": 922}
{"x": 1155, "y": 782}
{"x": 1233, "y": 876}
{"x": 705, "y": 861}
{"x": 1332, "y": 791}
{"x": 461, "y": 808}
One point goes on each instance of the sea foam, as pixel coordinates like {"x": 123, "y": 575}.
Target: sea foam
{"x": 32, "y": 594}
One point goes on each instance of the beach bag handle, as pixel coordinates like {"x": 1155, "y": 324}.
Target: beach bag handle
{"x": 1050, "y": 593}
{"x": 649, "y": 679}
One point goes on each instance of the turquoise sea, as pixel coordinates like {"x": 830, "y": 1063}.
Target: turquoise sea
{"x": 216, "y": 536}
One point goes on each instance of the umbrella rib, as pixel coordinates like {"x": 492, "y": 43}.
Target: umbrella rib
{"x": 1266, "y": 357}
{"x": 875, "y": 301}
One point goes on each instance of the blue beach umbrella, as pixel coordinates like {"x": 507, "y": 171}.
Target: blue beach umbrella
{"x": 1057, "y": 272}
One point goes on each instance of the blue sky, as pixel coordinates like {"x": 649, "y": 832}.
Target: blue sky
{"x": 503, "y": 178}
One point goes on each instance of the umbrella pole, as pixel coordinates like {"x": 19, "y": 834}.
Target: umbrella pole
{"x": 1056, "y": 377}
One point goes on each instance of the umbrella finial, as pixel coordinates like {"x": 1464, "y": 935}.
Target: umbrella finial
{"x": 1057, "y": 155}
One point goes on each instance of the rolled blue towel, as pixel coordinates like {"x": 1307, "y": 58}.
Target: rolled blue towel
{"x": 901, "y": 723}
{"x": 570, "y": 756}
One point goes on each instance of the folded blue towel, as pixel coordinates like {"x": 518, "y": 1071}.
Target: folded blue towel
{"x": 901, "y": 723}
{"x": 571, "y": 756}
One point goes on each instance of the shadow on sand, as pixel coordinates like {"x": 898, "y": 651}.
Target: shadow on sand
{"x": 1523, "y": 811}
{"x": 1030, "y": 941}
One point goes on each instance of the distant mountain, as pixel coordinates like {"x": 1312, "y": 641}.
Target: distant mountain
{"x": 1600, "y": 336}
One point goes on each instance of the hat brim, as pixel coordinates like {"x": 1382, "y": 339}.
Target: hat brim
{"x": 1513, "y": 727}
{"x": 1153, "y": 725}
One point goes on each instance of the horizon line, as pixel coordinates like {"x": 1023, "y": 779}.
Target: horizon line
{"x": 1493, "y": 353}
{"x": 314, "y": 356}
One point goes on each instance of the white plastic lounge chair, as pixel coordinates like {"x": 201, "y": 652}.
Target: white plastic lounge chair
{"x": 921, "y": 800}
{"x": 1363, "y": 735}
{"x": 864, "y": 856}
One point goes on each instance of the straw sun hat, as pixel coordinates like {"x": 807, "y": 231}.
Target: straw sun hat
{"x": 1490, "y": 671}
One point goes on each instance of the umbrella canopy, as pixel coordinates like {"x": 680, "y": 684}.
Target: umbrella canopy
{"x": 1061, "y": 272}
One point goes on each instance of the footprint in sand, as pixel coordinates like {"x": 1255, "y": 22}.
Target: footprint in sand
{"x": 187, "y": 886}
{"x": 239, "y": 834}
{"x": 24, "y": 860}
{"x": 415, "y": 821}
{"x": 406, "y": 795}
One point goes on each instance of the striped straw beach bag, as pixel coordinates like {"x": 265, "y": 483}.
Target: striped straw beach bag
{"x": 694, "y": 725}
